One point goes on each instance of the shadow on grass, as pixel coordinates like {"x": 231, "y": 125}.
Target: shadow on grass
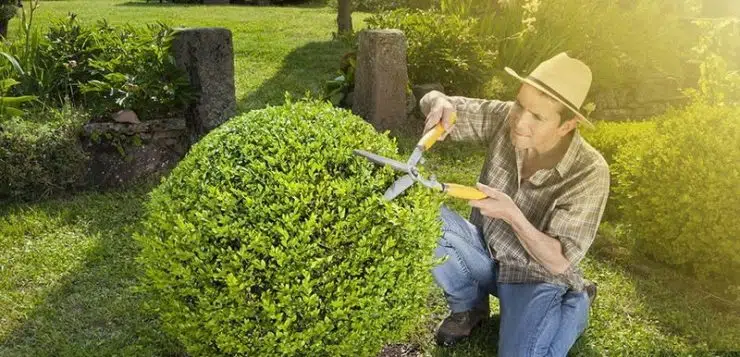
{"x": 305, "y": 69}
{"x": 154, "y": 3}
{"x": 93, "y": 311}
{"x": 157, "y": 3}
{"x": 287, "y": 3}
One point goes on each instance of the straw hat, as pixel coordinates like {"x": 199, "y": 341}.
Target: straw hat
{"x": 563, "y": 78}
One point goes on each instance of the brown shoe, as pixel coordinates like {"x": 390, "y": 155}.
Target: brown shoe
{"x": 590, "y": 288}
{"x": 459, "y": 325}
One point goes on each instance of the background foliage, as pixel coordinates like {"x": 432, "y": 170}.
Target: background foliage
{"x": 102, "y": 68}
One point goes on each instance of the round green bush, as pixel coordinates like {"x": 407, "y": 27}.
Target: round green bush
{"x": 679, "y": 191}
{"x": 271, "y": 238}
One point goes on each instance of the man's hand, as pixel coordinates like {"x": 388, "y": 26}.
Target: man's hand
{"x": 544, "y": 249}
{"x": 442, "y": 110}
{"x": 497, "y": 205}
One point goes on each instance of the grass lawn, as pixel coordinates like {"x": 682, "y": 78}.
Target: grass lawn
{"x": 67, "y": 270}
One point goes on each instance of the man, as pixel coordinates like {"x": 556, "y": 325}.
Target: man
{"x": 547, "y": 191}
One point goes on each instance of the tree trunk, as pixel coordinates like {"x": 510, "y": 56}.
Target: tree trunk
{"x": 4, "y": 28}
{"x": 344, "y": 17}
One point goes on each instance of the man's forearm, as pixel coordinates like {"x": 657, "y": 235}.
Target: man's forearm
{"x": 544, "y": 249}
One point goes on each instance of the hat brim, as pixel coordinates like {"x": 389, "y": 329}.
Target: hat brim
{"x": 573, "y": 109}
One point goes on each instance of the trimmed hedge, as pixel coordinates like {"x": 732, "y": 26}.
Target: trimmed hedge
{"x": 610, "y": 138}
{"x": 272, "y": 239}
{"x": 43, "y": 156}
{"x": 679, "y": 192}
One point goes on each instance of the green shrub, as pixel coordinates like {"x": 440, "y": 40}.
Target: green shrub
{"x": 611, "y": 138}
{"x": 718, "y": 55}
{"x": 678, "y": 191}
{"x": 102, "y": 68}
{"x": 384, "y": 5}
{"x": 272, "y": 239}
{"x": 623, "y": 44}
{"x": 442, "y": 49}
{"x": 483, "y": 37}
{"x": 43, "y": 156}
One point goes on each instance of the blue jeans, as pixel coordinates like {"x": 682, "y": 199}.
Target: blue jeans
{"x": 537, "y": 319}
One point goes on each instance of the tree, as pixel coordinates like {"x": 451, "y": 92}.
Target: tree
{"x": 344, "y": 17}
{"x": 8, "y": 9}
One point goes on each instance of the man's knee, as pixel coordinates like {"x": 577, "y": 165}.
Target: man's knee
{"x": 457, "y": 230}
{"x": 540, "y": 320}
{"x": 450, "y": 219}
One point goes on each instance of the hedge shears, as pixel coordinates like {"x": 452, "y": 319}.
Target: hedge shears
{"x": 412, "y": 172}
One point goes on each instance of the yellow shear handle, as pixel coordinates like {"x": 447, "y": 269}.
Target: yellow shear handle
{"x": 464, "y": 192}
{"x": 433, "y": 135}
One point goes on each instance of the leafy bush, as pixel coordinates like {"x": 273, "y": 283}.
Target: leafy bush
{"x": 102, "y": 68}
{"x": 718, "y": 55}
{"x": 42, "y": 156}
{"x": 272, "y": 239}
{"x": 384, "y": 5}
{"x": 464, "y": 44}
{"x": 337, "y": 89}
{"x": 678, "y": 191}
{"x": 441, "y": 49}
{"x": 619, "y": 55}
{"x": 611, "y": 138}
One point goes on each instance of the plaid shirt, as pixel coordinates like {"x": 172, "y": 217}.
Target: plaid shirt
{"x": 565, "y": 202}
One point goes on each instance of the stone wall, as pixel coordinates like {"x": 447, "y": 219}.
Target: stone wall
{"x": 127, "y": 152}
{"x": 637, "y": 102}
{"x": 122, "y": 153}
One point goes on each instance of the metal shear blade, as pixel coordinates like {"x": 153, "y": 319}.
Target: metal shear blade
{"x": 400, "y": 166}
{"x": 398, "y": 187}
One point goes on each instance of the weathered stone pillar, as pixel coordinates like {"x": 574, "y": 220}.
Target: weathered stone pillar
{"x": 207, "y": 55}
{"x": 381, "y": 78}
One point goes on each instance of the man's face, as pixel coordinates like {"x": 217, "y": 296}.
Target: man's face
{"x": 534, "y": 120}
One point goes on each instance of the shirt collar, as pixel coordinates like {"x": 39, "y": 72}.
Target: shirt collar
{"x": 570, "y": 156}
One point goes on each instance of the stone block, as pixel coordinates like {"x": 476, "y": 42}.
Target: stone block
{"x": 381, "y": 79}
{"x": 207, "y": 55}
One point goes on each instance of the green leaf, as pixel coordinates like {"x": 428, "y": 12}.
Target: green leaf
{"x": 16, "y": 101}
{"x": 13, "y": 112}
{"x": 14, "y": 62}
{"x": 6, "y": 84}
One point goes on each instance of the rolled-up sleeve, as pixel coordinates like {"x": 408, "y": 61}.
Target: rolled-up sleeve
{"x": 575, "y": 219}
{"x": 477, "y": 119}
